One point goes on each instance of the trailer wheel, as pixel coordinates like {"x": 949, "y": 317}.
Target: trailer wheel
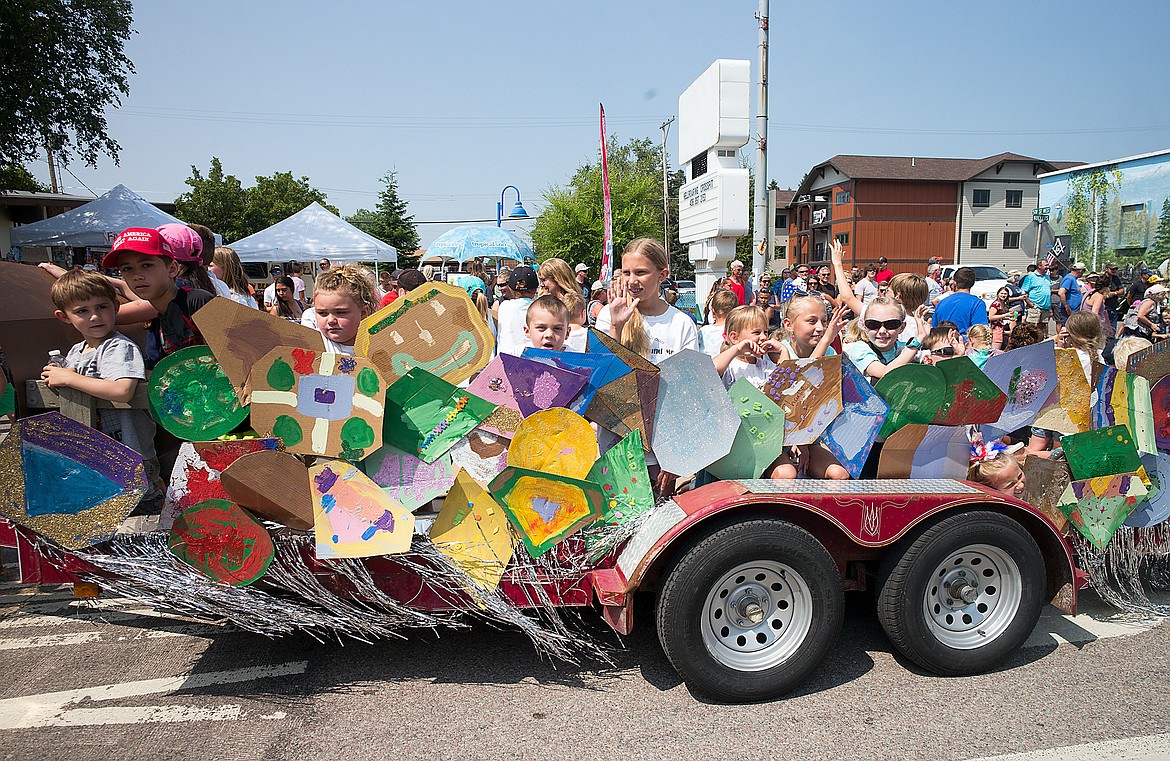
{"x": 963, "y": 593}
{"x": 748, "y": 612}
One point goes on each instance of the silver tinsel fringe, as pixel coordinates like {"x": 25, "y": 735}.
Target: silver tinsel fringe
{"x": 290, "y": 597}
{"x": 1133, "y": 558}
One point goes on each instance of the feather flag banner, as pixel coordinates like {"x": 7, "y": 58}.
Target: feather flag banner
{"x": 607, "y": 210}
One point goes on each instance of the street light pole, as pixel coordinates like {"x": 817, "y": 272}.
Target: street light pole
{"x": 518, "y": 211}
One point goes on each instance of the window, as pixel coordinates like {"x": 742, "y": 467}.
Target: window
{"x": 981, "y": 198}
{"x": 1011, "y": 240}
{"x": 842, "y": 197}
{"x": 843, "y": 238}
{"x": 978, "y": 240}
{"x": 1015, "y": 199}
{"x": 781, "y": 220}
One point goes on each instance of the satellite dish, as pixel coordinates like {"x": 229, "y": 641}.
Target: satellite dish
{"x": 1030, "y": 233}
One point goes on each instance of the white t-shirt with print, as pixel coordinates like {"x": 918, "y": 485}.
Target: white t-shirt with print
{"x": 757, "y": 373}
{"x": 711, "y": 339}
{"x": 511, "y": 320}
{"x": 670, "y": 332}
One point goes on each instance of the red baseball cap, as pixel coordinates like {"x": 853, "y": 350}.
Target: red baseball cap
{"x": 142, "y": 240}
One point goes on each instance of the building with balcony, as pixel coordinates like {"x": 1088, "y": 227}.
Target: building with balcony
{"x": 908, "y": 209}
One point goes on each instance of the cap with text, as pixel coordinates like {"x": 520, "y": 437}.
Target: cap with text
{"x": 141, "y": 240}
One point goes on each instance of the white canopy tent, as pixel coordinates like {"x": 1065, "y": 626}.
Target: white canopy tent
{"x": 94, "y": 224}
{"x": 314, "y": 233}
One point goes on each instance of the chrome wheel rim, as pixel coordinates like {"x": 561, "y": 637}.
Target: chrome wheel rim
{"x": 756, "y": 615}
{"x": 972, "y": 597}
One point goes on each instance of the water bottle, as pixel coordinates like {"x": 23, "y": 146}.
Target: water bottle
{"x": 55, "y": 358}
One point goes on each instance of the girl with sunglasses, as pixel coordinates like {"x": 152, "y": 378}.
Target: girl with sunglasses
{"x": 877, "y": 349}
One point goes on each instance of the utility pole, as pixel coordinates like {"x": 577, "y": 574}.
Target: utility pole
{"x": 760, "y": 242}
{"x": 665, "y": 127}
{"x": 52, "y": 170}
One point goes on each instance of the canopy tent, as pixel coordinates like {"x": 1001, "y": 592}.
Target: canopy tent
{"x": 94, "y": 224}
{"x": 314, "y": 233}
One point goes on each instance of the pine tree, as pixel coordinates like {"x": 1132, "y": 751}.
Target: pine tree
{"x": 1160, "y": 250}
{"x": 389, "y": 222}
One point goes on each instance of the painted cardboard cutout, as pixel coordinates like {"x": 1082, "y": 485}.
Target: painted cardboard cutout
{"x": 66, "y": 481}
{"x": 545, "y": 508}
{"x": 1152, "y": 362}
{"x": 273, "y": 485}
{"x": 759, "y": 440}
{"x": 318, "y": 403}
{"x": 556, "y": 441}
{"x": 434, "y": 328}
{"x": 925, "y": 451}
{"x": 472, "y": 530}
{"x": 192, "y": 398}
{"x": 696, "y": 421}
{"x": 426, "y": 415}
{"x": 1027, "y": 376}
{"x": 1155, "y": 508}
{"x": 240, "y": 337}
{"x": 407, "y": 479}
{"x": 851, "y": 435}
{"x": 222, "y": 542}
{"x": 601, "y": 368}
{"x": 809, "y": 391}
{"x": 1044, "y": 482}
{"x": 625, "y": 483}
{"x": 1101, "y": 452}
{"x": 481, "y": 454}
{"x": 523, "y": 386}
{"x": 353, "y": 517}
{"x": 196, "y": 475}
{"x": 1098, "y": 506}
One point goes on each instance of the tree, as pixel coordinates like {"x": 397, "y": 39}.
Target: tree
{"x": 570, "y": 227}
{"x": 279, "y": 197}
{"x": 1160, "y": 250}
{"x": 217, "y": 200}
{"x": 64, "y": 64}
{"x": 16, "y": 177}
{"x": 223, "y": 204}
{"x": 389, "y": 222}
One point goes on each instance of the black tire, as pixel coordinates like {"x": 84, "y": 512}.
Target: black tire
{"x": 797, "y": 595}
{"x": 962, "y": 594}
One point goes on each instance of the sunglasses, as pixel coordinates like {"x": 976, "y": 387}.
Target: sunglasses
{"x": 887, "y": 324}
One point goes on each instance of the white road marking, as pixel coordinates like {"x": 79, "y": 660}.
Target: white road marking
{"x": 89, "y": 616}
{"x": 1148, "y": 748}
{"x": 54, "y": 709}
{"x": 108, "y": 634}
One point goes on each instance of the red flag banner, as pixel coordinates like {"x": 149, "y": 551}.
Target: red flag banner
{"x": 607, "y": 210}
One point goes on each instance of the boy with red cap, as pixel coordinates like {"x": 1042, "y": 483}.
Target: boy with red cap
{"x": 149, "y": 267}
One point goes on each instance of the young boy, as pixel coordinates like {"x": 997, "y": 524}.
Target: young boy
{"x": 513, "y": 331}
{"x": 106, "y": 364}
{"x": 711, "y": 336}
{"x": 577, "y": 337}
{"x": 546, "y": 325}
{"x": 147, "y": 263}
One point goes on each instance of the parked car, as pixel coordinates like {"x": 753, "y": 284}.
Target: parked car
{"x": 988, "y": 279}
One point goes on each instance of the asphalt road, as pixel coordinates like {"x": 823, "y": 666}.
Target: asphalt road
{"x": 167, "y": 688}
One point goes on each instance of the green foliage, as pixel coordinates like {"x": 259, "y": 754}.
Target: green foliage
{"x": 221, "y": 202}
{"x": 279, "y": 197}
{"x": 63, "y": 66}
{"x": 1159, "y": 251}
{"x": 16, "y": 177}
{"x": 571, "y": 225}
{"x": 216, "y": 200}
{"x": 389, "y": 222}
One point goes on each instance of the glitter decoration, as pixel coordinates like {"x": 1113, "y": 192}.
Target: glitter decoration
{"x": 97, "y": 481}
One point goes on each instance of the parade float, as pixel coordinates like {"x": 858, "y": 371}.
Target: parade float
{"x": 424, "y": 483}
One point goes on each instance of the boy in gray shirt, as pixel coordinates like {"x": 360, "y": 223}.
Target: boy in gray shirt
{"x": 106, "y": 364}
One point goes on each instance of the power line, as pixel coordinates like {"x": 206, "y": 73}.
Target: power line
{"x": 792, "y": 127}
{"x": 400, "y": 122}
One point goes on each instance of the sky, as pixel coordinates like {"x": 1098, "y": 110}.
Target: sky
{"x": 464, "y": 98}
